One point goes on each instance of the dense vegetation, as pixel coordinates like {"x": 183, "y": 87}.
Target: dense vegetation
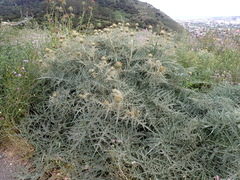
{"x": 120, "y": 102}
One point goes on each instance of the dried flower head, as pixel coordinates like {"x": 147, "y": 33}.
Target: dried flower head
{"x": 103, "y": 58}
{"x": 81, "y": 40}
{"x": 48, "y": 50}
{"x": 161, "y": 69}
{"x": 79, "y": 53}
{"x": 83, "y": 96}
{"x": 162, "y": 32}
{"x": 132, "y": 34}
{"x": 136, "y": 113}
{"x": 106, "y": 103}
{"x": 93, "y": 43}
{"x": 118, "y": 99}
{"x": 118, "y": 96}
{"x": 75, "y": 33}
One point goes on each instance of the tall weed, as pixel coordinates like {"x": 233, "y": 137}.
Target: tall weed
{"x": 20, "y": 50}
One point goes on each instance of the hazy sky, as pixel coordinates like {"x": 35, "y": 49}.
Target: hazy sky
{"x": 179, "y": 9}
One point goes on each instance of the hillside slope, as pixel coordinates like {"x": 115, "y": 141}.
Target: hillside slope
{"x": 105, "y": 12}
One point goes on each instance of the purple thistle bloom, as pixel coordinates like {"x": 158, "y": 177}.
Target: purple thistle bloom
{"x": 19, "y": 75}
{"x": 26, "y": 61}
{"x": 119, "y": 141}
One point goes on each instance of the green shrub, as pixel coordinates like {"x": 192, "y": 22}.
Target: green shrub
{"x": 213, "y": 59}
{"x": 113, "y": 107}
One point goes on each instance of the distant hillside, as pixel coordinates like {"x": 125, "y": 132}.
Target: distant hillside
{"x": 104, "y": 11}
{"x": 14, "y": 9}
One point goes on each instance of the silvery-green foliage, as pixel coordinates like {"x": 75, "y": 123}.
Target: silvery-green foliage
{"x": 116, "y": 109}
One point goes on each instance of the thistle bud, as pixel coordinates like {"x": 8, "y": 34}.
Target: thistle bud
{"x": 106, "y": 103}
{"x": 136, "y": 113}
{"x": 162, "y": 69}
{"x": 118, "y": 65}
{"x": 132, "y": 34}
{"x": 118, "y": 97}
{"x": 93, "y": 43}
{"x": 150, "y": 55}
{"x": 55, "y": 95}
{"x": 75, "y": 33}
{"x": 162, "y": 32}
{"x": 81, "y": 40}
{"x": 103, "y": 58}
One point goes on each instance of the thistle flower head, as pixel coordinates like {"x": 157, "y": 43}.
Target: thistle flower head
{"x": 150, "y": 55}
{"x": 132, "y": 34}
{"x": 161, "y": 69}
{"x": 162, "y": 32}
{"x": 103, "y": 58}
{"x": 81, "y": 40}
{"x": 118, "y": 65}
{"x": 118, "y": 96}
{"x": 75, "y": 33}
{"x": 55, "y": 95}
{"x": 70, "y": 9}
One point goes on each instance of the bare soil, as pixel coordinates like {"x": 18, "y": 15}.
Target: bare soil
{"x": 9, "y": 165}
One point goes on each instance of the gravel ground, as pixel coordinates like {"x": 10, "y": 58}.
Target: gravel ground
{"x": 8, "y": 168}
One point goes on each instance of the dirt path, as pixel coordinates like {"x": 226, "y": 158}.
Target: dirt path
{"x": 8, "y": 167}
